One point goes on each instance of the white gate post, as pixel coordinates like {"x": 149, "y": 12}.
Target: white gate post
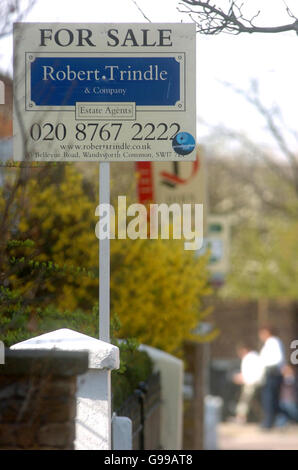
{"x": 93, "y": 419}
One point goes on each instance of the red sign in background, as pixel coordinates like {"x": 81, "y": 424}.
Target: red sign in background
{"x": 145, "y": 189}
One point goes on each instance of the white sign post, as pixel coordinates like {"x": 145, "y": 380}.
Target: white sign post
{"x": 104, "y": 92}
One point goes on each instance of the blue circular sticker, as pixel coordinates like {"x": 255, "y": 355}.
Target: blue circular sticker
{"x": 183, "y": 143}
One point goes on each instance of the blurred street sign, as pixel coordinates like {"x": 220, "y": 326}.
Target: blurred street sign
{"x": 181, "y": 182}
{"x": 104, "y": 92}
{"x": 173, "y": 182}
{"x": 218, "y": 242}
{"x": 145, "y": 190}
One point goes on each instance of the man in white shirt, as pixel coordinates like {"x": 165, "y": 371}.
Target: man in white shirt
{"x": 273, "y": 360}
{"x": 250, "y": 376}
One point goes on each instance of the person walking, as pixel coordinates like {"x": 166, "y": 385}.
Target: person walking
{"x": 249, "y": 377}
{"x": 273, "y": 360}
{"x": 288, "y": 402}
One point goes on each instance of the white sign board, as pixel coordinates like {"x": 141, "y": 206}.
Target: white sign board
{"x": 218, "y": 242}
{"x": 104, "y": 92}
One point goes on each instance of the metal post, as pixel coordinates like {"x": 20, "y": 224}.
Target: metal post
{"x": 104, "y": 259}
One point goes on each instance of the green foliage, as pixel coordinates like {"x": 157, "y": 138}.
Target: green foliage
{"x": 264, "y": 262}
{"x": 21, "y": 315}
{"x": 137, "y": 368}
{"x": 13, "y": 316}
{"x": 50, "y": 319}
{"x": 16, "y": 323}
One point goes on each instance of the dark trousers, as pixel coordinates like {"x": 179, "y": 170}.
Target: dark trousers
{"x": 270, "y": 399}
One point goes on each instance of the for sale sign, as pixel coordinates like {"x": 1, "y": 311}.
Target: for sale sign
{"x": 104, "y": 92}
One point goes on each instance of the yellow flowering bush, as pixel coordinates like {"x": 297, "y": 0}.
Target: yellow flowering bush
{"x": 156, "y": 290}
{"x": 59, "y": 217}
{"x": 156, "y": 286}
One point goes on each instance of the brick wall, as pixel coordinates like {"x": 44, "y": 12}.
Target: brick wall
{"x": 6, "y": 109}
{"x": 38, "y": 399}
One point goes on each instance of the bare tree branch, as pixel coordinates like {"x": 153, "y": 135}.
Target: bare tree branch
{"x": 258, "y": 189}
{"x": 289, "y": 12}
{"x": 254, "y": 98}
{"x": 12, "y": 11}
{"x": 141, "y": 11}
{"x": 260, "y": 153}
{"x": 211, "y": 19}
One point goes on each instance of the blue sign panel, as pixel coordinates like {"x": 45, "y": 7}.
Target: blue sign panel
{"x": 63, "y": 81}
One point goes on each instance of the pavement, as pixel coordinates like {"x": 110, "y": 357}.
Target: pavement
{"x": 232, "y": 436}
